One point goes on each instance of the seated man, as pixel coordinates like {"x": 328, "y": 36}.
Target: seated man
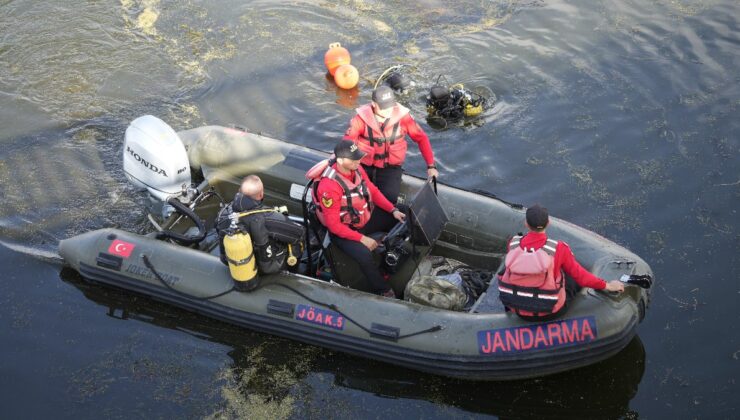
{"x": 533, "y": 283}
{"x": 271, "y": 247}
{"x": 345, "y": 198}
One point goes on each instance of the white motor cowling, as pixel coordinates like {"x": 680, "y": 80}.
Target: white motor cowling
{"x": 154, "y": 158}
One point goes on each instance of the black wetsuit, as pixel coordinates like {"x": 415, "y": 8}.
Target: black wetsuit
{"x": 270, "y": 253}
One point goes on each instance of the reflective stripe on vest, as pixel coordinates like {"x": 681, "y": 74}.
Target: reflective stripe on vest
{"x": 535, "y": 285}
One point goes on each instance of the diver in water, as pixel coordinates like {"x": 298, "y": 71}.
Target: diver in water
{"x": 454, "y": 103}
{"x": 445, "y": 103}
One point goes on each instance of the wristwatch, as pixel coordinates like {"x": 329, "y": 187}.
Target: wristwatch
{"x": 432, "y": 166}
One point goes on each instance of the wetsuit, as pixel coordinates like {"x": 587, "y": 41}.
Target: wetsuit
{"x": 271, "y": 254}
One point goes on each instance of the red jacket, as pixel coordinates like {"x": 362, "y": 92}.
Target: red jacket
{"x": 565, "y": 260}
{"x": 407, "y": 126}
{"x": 330, "y": 192}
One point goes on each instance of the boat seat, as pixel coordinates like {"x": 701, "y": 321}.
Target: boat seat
{"x": 346, "y": 271}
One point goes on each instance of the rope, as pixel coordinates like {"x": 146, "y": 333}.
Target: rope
{"x": 334, "y": 308}
{"x": 331, "y": 306}
{"x": 150, "y": 266}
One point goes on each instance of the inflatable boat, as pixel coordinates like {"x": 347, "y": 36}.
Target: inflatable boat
{"x": 324, "y": 300}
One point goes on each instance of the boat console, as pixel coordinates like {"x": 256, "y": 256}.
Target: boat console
{"x": 424, "y": 223}
{"x": 402, "y": 248}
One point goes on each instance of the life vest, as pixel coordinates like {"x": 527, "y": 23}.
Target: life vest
{"x": 529, "y": 286}
{"x": 356, "y": 205}
{"x": 385, "y": 144}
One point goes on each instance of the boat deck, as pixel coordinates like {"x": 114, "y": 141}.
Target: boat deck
{"x": 489, "y": 302}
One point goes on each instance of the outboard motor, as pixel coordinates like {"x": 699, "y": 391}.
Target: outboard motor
{"x": 155, "y": 159}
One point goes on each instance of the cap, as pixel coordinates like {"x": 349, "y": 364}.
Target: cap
{"x": 384, "y": 97}
{"x": 349, "y": 150}
{"x": 537, "y": 217}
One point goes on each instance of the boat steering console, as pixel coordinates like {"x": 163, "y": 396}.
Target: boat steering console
{"x": 424, "y": 223}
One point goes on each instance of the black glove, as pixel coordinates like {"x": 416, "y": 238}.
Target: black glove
{"x": 643, "y": 280}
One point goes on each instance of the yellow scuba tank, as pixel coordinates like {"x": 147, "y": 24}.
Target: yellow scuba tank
{"x": 472, "y": 111}
{"x": 239, "y": 250}
{"x": 471, "y": 108}
{"x": 240, "y": 255}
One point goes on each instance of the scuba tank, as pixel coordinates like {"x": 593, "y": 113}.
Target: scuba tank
{"x": 473, "y": 107}
{"x": 239, "y": 249}
{"x": 292, "y": 260}
{"x": 240, "y": 255}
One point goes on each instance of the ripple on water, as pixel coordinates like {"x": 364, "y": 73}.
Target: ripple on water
{"x": 621, "y": 116}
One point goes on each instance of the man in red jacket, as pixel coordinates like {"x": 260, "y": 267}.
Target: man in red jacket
{"x": 380, "y": 130}
{"x": 345, "y": 200}
{"x": 521, "y": 293}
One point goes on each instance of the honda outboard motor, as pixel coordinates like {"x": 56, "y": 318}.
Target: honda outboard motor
{"x": 155, "y": 159}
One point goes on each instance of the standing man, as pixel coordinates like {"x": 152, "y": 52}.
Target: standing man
{"x": 533, "y": 283}
{"x": 380, "y": 130}
{"x": 344, "y": 199}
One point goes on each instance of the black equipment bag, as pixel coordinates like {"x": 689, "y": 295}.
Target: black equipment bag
{"x": 284, "y": 230}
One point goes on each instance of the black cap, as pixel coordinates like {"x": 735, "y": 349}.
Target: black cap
{"x": 384, "y": 97}
{"x": 349, "y": 150}
{"x": 537, "y": 217}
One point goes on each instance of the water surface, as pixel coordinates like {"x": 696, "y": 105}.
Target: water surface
{"x": 618, "y": 116}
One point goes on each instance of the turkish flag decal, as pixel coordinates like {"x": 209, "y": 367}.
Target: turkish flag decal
{"x": 121, "y": 248}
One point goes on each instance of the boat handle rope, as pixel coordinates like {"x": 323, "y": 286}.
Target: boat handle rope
{"x": 150, "y": 266}
{"x": 334, "y": 308}
{"x": 331, "y": 306}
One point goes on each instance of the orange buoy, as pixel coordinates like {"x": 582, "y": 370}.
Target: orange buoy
{"x": 346, "y": 76}
{"x": 336, "y": 56}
